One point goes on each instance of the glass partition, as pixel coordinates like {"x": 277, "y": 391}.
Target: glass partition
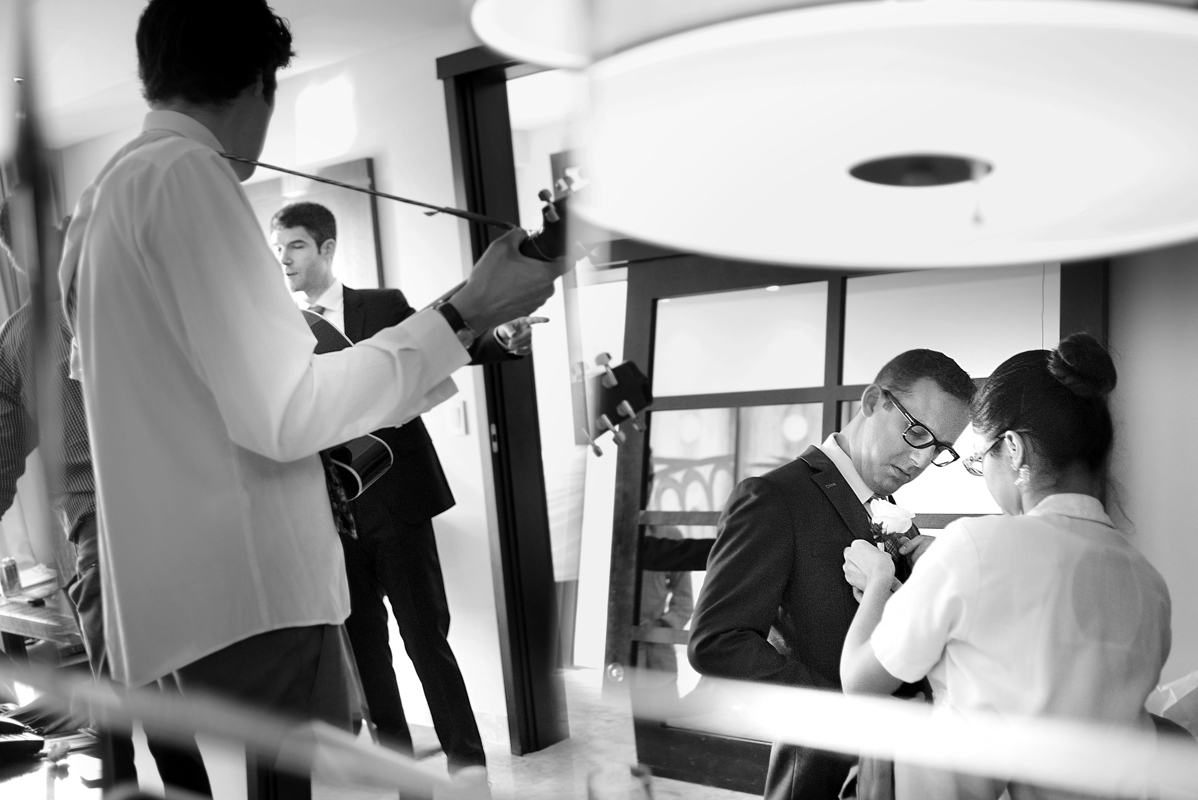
{"x": 979, "y": 317}
{"x": 743, "y": 341}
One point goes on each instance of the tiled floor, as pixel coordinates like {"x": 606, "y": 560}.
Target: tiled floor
{"x": 600, "y": 735}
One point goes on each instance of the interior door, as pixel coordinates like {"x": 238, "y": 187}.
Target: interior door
{"x": 745, "y": 366}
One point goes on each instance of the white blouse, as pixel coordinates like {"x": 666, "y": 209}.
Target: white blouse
{"x": 1050, "y": 613}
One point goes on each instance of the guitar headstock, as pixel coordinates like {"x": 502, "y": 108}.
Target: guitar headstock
{"x": 615, "y": 396}
{"x": 551, "y": 242}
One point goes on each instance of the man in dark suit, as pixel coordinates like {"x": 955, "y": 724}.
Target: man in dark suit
{"x": 395, "y": 552}
{"x": 775, "y": 606}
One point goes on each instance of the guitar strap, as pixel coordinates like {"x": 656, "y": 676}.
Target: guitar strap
{"x": 343, "y": 514}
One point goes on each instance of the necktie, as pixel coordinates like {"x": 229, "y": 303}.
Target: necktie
{"x": 888, "y": 541}
{"x": 319, "y": 310}
{"x": 343, "y": 514}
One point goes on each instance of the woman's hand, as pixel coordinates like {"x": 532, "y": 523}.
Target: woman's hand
{"x": 870, "y": 571}
{"x": 915, "y": 546}
{"x": 864, "y": 564}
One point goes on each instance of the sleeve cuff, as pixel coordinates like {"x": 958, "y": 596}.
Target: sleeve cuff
{"x": 436, "y": 339}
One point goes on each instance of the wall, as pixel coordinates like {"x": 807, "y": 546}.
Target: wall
{"x": 389, "y": 105}
{"x": 1154, "y": 339}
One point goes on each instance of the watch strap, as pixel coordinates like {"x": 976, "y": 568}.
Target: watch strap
{"x": 458, "y": 325}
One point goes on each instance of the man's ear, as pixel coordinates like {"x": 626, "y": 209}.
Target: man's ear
{"x": 328, "y": 247}
{"x": 870, "y": 399}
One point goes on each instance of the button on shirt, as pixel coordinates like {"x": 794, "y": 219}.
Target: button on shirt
{"x": 207, "y": 406}
{"x": 1053, "y": 612}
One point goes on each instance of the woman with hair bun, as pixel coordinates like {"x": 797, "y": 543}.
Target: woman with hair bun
{"x": 1045, "y": 610}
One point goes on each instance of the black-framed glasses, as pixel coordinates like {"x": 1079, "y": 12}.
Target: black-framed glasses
{"x": 920, "y": 437}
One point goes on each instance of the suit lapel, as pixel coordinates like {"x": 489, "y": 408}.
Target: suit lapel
{"x": 842, "y": 497}
{"x": 355, "y": 314}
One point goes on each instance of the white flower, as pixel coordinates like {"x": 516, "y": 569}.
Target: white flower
{"x": 890, "y": 518}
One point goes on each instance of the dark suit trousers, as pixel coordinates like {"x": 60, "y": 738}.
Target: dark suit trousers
{"x": 400, "y": 560}
{"x": 803, "y": 773}
{"x": 299, "y": 673}
{"x": 179, "y": 764}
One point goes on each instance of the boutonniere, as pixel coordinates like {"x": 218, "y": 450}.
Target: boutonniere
{"x": 889, "y": 524}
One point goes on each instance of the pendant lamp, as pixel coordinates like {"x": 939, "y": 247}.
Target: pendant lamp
{"x": 879, "y": 134}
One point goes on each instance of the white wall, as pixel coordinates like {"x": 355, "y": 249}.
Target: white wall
{"x": 1154, "y": 340}
{"x": 388, "y": 105}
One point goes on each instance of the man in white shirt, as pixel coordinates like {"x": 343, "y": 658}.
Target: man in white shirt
{"x": 219, "y": 558}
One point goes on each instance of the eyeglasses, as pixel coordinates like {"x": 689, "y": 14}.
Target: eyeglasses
{"x": 918, "y": 436}
{"x": 973, "y": 463}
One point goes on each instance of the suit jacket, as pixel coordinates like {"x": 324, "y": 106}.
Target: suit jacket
{"x": 775, "y": 606}
{"x": 414, "y": 488}
{"x": 775, "y": 572}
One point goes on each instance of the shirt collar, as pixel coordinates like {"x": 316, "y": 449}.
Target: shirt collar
{"x": 333, "y": 298}
{"x": 183, "y": 125}
{"x": 1078, "y": 506}
{"x": 840, "y": 458}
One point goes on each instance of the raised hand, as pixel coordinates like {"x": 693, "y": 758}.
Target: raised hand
{"x": 516, "y": 335}
{"x": 505, "y": 284}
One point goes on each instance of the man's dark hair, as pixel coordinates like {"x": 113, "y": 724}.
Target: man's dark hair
{"x": 902, "y": 371}
{"x": 209, "y": 51}
{"x": 317, "y": 220}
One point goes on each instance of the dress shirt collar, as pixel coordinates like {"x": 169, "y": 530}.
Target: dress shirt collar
{"x": 1078, "y": 506}
{"x": 833, "y": 450}
{"x": 182, "y": 125}
{"x": 333, "y": 298}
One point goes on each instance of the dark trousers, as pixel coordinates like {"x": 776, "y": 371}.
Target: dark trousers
{"x": 803, "y": 773}
{"x": 179, "y": 763}
{"x": 299, "y": 673}
{"x": 400, "y": 560}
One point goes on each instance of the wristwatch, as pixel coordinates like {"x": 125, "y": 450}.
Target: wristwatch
{"x": 464, "y": 332}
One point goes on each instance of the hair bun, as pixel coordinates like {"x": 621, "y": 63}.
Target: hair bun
{"x": 1083, "y": 366}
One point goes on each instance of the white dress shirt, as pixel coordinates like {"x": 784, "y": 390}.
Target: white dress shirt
{"x": 332, "y": 301}
{"x": 834, "y": 451}
{"x": 207, "y": 407}
{"x": 1050, "y": 613}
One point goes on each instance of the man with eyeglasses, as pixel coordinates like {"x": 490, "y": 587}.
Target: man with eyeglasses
{"x": 775, "y": 606}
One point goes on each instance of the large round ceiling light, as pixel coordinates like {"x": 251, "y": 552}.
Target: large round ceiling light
{"x": 1076, "y": 121}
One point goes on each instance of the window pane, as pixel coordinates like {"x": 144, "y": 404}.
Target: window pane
{"x": 742, "y": 341}
{"x": 770, "y": 436}
{"x": 979, "y": 317}
{"x": 693, "y": 459}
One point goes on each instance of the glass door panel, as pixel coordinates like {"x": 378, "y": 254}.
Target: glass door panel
{"x": 742, "y": 341}
{"x": 978, "y": 317}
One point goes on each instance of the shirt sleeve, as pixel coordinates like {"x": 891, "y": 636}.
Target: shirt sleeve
{"x": 17, "y": 435}
{"x": 929, "y": 610}
{"x": 250, "y": 345}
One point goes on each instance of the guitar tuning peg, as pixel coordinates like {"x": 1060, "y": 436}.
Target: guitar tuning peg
{"x": 609, "y": 378}
{"x": 616, "y": 434}
{"x": 596, "y": 449}
{"x": 550, "y": 212}
{"x": 626, "y": 410}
